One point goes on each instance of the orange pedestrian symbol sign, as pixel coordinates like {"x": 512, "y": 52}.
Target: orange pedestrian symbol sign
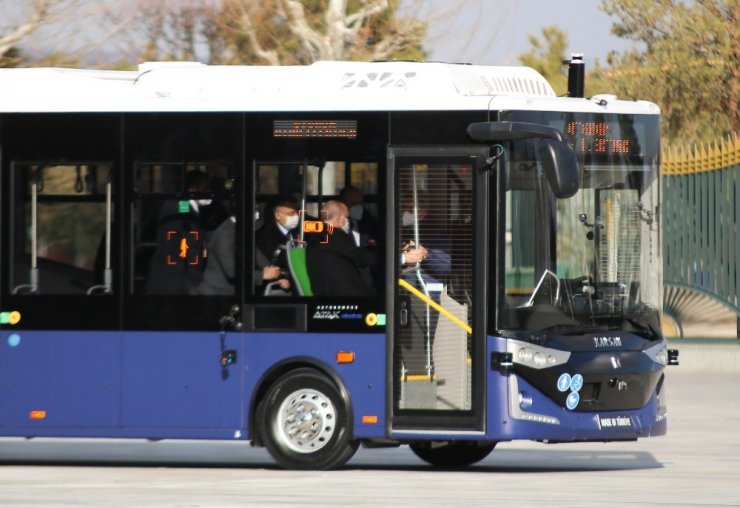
{"x": 185, "y": 250}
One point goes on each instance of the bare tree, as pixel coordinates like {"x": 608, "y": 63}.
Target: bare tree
{"x": 21, "y": 21}
{"x": 271, "y": 32}
{"x": 291, "y": 31}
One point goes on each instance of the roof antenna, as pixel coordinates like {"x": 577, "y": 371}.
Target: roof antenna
{"x": 576, "y": 75}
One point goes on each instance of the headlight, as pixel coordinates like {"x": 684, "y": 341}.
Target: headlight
{"x": 658, "y": 353}
{"x": 536, "y": 357}
{"x": 524, "y": 355}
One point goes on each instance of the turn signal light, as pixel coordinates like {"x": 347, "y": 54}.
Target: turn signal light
{"x": 345, "y": 357}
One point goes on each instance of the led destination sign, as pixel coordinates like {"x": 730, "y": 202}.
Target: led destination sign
{"x": 594, "y": 137}
{"x": 601, "y": 137}
{"x": 315, "y": 129}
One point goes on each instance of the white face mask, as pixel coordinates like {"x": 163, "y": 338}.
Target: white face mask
{"x": 407, "y": 219}
{"x": 203, "y": 202}
{"x": 291, "y": 221}
{"x": 356, "y": 211}
{"x": 345, "y": 227}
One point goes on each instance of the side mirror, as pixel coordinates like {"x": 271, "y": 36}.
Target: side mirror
{"x": 556, "y": 156}
{"x": 560, "y": 167}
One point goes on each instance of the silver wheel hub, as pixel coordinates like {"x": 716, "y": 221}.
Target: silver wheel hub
{"x": 306, "y": 421}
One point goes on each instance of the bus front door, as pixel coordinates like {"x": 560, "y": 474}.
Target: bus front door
{"x": 438, "y": 316}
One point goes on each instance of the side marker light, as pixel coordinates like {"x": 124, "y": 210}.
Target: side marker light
{"x": 345, "y": 357}
{"x": 12, "y": 317}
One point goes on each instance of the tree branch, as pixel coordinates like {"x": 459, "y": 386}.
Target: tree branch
{"x": 354, "y": 21}
{"x": 271, "y": 57}
{"x": 40, "y": 14}
{"x": 313, "y": 42}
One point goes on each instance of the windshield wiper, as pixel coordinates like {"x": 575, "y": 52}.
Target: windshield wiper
{"x": 644, "y": 329}
{"x": 570, "y": 329}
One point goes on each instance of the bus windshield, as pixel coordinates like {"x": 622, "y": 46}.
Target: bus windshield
{"x": 592, "y": 262}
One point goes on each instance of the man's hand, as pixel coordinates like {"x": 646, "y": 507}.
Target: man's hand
{"x": 414, "y": 255}
{"x": 270, "y": 272}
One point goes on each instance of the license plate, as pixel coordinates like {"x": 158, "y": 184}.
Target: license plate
{"x": 615, "y": 422}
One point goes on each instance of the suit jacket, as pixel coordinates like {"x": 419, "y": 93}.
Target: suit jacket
{"x": 218, "y": 278}
{"x": 333, "y": 267}
{"x": 268, "y": 240}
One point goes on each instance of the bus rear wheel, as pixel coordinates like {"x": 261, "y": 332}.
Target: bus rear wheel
{"x": 305, "y": 422}
{"x": 452, "y": 453}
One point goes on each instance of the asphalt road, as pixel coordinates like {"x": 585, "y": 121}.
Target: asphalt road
{"x": 696, "y": 464}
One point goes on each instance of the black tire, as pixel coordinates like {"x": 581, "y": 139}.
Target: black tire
{"x": 305, "y": 422}
{"x": 452, "y": 453}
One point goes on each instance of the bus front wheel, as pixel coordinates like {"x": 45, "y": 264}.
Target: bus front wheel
{"x": 452, "y": 453}
{"x": 305, "y": 422}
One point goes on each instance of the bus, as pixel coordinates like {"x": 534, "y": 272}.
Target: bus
{"x": 510, "y": 250}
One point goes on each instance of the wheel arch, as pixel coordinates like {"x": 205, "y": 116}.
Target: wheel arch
{"x": 278, "y": 370}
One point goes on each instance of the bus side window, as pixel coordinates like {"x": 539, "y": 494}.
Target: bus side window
{"x": 279, "y": 191}
{"x": 178, "y": 206}
{"x": 62, "y": 225}
{"x": 289, "y": 221}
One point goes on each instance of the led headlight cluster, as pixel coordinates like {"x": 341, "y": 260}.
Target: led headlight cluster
{"x": 536, "y": 357}
{"x": 658, "y": 353}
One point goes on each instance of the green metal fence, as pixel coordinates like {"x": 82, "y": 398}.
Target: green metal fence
{"x": 701, "y": 216}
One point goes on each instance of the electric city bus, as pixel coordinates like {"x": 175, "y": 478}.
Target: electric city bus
{"x": 508, "y": 243}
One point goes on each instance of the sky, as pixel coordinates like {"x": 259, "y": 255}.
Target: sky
{"x": 513, "y": 21}
{"x": 499, "y": 28}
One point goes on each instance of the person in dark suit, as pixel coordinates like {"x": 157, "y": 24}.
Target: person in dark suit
{"x": 218, "y": 277}
{"x": 362, "y": 222}
{"x": 334, "y": 261}
{"x": 273, "y": 236}
{"x": 178, "y": 262}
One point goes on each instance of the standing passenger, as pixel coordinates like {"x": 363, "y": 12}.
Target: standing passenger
{"x": 218, "y": 277}
{"x": 334, "y": 262}
{"x": 179, "y": 259}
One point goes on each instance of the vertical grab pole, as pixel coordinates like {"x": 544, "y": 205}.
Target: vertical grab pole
{"x": 418, "y": 273}
{"x": 34, "y": 274}
{"x": 107, "y": 285}
{"x": 107, "y": 272}
{"x": 302, "y": 211}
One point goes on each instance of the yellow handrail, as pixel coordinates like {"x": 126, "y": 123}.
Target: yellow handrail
{"x": 424, "y": 298}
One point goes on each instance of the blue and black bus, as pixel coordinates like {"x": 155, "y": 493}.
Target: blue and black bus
{"x": 534, "y": 312}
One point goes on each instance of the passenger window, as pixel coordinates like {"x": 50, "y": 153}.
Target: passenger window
{"x": 61, "y": 236}
{"x": 178, "y": 208}
{"x": 293, "y": 224}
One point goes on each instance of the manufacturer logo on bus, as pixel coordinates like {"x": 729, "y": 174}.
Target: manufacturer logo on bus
{"x": 607, "y": 341}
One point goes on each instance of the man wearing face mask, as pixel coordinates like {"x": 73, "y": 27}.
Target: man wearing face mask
{"x": 273, "y": 236}
{"x": 179, "y": 260}
{"x": 433, "y": 240}
{"x": 427, "y": 267}
{"x": 363, "y": 224}
{"x": 334, "y": 259}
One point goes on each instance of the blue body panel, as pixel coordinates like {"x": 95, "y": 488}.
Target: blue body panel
{"x": 573, "y": 426}
{"x": 168, "y": 384}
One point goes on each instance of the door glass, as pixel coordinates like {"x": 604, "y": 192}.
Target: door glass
{"x": 435, "y": 287}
